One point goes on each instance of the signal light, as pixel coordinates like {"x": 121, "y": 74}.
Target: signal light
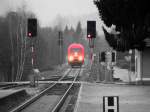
{"x": 80, "y": 58}
{"x": 29, "y": 34}
{"x": 113, "y": 57}
{"x": 32, "y": 27}
{"x": 103, "y": 58}
{"x": 89, "y": 36}
{"x": 91, "y": 29}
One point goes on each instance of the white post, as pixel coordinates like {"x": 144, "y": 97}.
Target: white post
{"x": 91, "y": 57}
{"x": 139, "y": 66}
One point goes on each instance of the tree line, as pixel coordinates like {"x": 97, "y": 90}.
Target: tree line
{"x": 15, "y": 46}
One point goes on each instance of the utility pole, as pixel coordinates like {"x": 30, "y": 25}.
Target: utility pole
{"x": 60, "y": 43}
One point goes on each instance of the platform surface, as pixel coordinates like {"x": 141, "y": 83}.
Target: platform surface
{"x": 132, "y": 98}
{"x": 5, "y": 93}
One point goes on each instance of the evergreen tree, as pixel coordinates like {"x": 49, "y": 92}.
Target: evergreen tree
{"x": 131, "y": 18}
{"x": 79, "y": 29}
{"x": 66, "y": 31}
{"x": 78, "y": 32}
{"x": 72, "y": 35}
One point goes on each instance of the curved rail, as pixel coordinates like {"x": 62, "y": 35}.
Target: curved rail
{"x": 36, "y": 97}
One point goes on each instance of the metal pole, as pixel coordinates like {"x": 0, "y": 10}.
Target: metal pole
{"x": 130, "y": 57}
{"x": 91, "y": 57}
{"x": 62, "y": 56}
{"x": 129, "y": 72}
{"x": 32, "y": 56}
{"x": 32, "y": 63}
{"x": 130, "y": 69}
{"x": 32, "y": 53}
{"x": 35, "y": 75}
{"x": 60, "y": 46}
{"x": 105, "y": 68}
{"x": 60, "y": 53}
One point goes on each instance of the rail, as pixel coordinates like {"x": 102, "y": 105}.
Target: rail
{"x": 63, "y": 98}
{"x": 36, "y": 97}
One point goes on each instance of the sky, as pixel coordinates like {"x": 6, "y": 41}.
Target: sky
{"x": 48, "y": 10}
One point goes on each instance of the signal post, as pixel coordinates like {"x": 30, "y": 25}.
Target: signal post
{"x": 91, "y": 35}
{"x": 60, "y": 43}
{"x": 32, "y": 34}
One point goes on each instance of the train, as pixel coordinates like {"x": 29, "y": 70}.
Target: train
{"x": 75, "y": 55}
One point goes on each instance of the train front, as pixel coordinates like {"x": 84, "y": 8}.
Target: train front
{"x": 76, "y": 55}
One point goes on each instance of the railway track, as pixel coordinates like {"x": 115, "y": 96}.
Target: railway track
{"x": 62, "y": 100}
{"x": 10, "y": 86}
{"x": 58, "y": 105}
{"x": 14, "y": 85}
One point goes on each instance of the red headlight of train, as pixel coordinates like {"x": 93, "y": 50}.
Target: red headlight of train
{"x": 70, "y": 58}
{"x": 80, "y": 58}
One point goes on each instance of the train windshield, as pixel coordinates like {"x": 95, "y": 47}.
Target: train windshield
{"x": 76, "y": 50}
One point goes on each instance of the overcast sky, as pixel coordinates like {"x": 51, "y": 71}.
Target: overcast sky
{"x": 47, "y": 10}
